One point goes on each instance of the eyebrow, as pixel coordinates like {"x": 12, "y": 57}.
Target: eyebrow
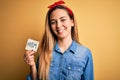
{"x": 62, "y": 17}
{"x": 59, "y": 18}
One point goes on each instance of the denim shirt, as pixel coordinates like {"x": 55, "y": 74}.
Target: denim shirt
{"x": 74, "y": 64}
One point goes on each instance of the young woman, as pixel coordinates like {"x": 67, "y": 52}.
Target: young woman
{"x": 61, "y": 56}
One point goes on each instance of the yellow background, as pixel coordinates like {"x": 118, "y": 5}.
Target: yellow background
{"x": 99, "y": 29}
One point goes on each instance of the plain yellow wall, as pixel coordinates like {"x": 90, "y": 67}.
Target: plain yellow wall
{"x": 99, "y": 29}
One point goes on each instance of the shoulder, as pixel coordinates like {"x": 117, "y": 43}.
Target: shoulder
{"x": 82, "y": 50}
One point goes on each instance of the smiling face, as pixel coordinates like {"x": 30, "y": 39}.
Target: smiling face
{"x": 61, "y": 23}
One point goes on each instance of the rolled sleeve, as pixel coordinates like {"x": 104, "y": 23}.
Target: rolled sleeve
{"x": 28, "y": 77}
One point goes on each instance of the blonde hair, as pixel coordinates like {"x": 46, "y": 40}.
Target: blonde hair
{"x": 48, "y": 42}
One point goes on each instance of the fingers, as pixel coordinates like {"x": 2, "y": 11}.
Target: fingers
{"x": 29, "y": 57}
{"x": 29, "y": 52}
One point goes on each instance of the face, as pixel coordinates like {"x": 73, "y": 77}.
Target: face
{"x": 61, "y": 23}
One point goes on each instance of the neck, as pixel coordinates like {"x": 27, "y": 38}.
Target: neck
{"x": 64, "y": 44}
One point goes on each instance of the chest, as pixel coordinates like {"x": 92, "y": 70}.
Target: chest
{"x": 67, "y": 66}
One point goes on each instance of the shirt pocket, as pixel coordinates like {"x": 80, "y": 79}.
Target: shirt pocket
{"x": 74, "y": 71}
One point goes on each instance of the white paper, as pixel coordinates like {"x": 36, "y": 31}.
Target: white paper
{"x": 32, "y": 45}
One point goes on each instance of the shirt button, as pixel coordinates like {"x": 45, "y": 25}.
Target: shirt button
{"x": 51, "y": 64}
{"x": 78, "y": 69}
{"x": 69, "y": 67}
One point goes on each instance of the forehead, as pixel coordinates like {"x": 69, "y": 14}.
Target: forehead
{"x": 58, "y": 13}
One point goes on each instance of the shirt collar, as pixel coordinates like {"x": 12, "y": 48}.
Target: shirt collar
{"x": 71, "y": 48}
{"x": 56, "y": 47}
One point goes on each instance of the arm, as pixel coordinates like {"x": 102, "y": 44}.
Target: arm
{"x": 88, "y": 72}
{"x": 33, "y": 72}
{"x": 29, "y": 59}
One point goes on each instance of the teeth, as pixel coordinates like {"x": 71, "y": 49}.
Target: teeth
{"x": 59, "y": 31}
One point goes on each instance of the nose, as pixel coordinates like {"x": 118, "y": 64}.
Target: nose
{"x": 59, "y": 24}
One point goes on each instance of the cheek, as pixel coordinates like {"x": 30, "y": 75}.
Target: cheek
{"x": 53, "y": 28}
{"x": 69, "y": 23}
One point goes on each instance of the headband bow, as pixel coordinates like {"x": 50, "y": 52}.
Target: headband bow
{"x": 59, "y": 3}
{"x": 56, "y": 4}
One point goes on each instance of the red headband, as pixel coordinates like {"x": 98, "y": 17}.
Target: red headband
{"x": 59, "y": 3}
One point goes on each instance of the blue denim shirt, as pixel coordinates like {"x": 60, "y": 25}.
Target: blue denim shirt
{"x": 74, "y": 64}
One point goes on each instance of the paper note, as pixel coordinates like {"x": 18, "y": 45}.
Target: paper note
{"x": 32, "y": 45}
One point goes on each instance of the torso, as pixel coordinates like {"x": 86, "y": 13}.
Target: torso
{"x": 70, "y": 65}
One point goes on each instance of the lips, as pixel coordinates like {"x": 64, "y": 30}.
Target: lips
{"x": 60, "y": 31}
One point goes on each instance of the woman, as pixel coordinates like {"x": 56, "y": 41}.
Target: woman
{"x": 61, "y": 56}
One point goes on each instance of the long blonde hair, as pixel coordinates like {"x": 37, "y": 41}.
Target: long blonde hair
{"x": 48, "y": 42}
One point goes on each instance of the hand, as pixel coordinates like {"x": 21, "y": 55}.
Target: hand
{"x": 29, "y": 58}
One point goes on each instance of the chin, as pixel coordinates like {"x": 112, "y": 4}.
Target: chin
{"x": 61, "y": 37}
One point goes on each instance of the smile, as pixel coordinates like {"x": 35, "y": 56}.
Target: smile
{"x": 60, "y": 31}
